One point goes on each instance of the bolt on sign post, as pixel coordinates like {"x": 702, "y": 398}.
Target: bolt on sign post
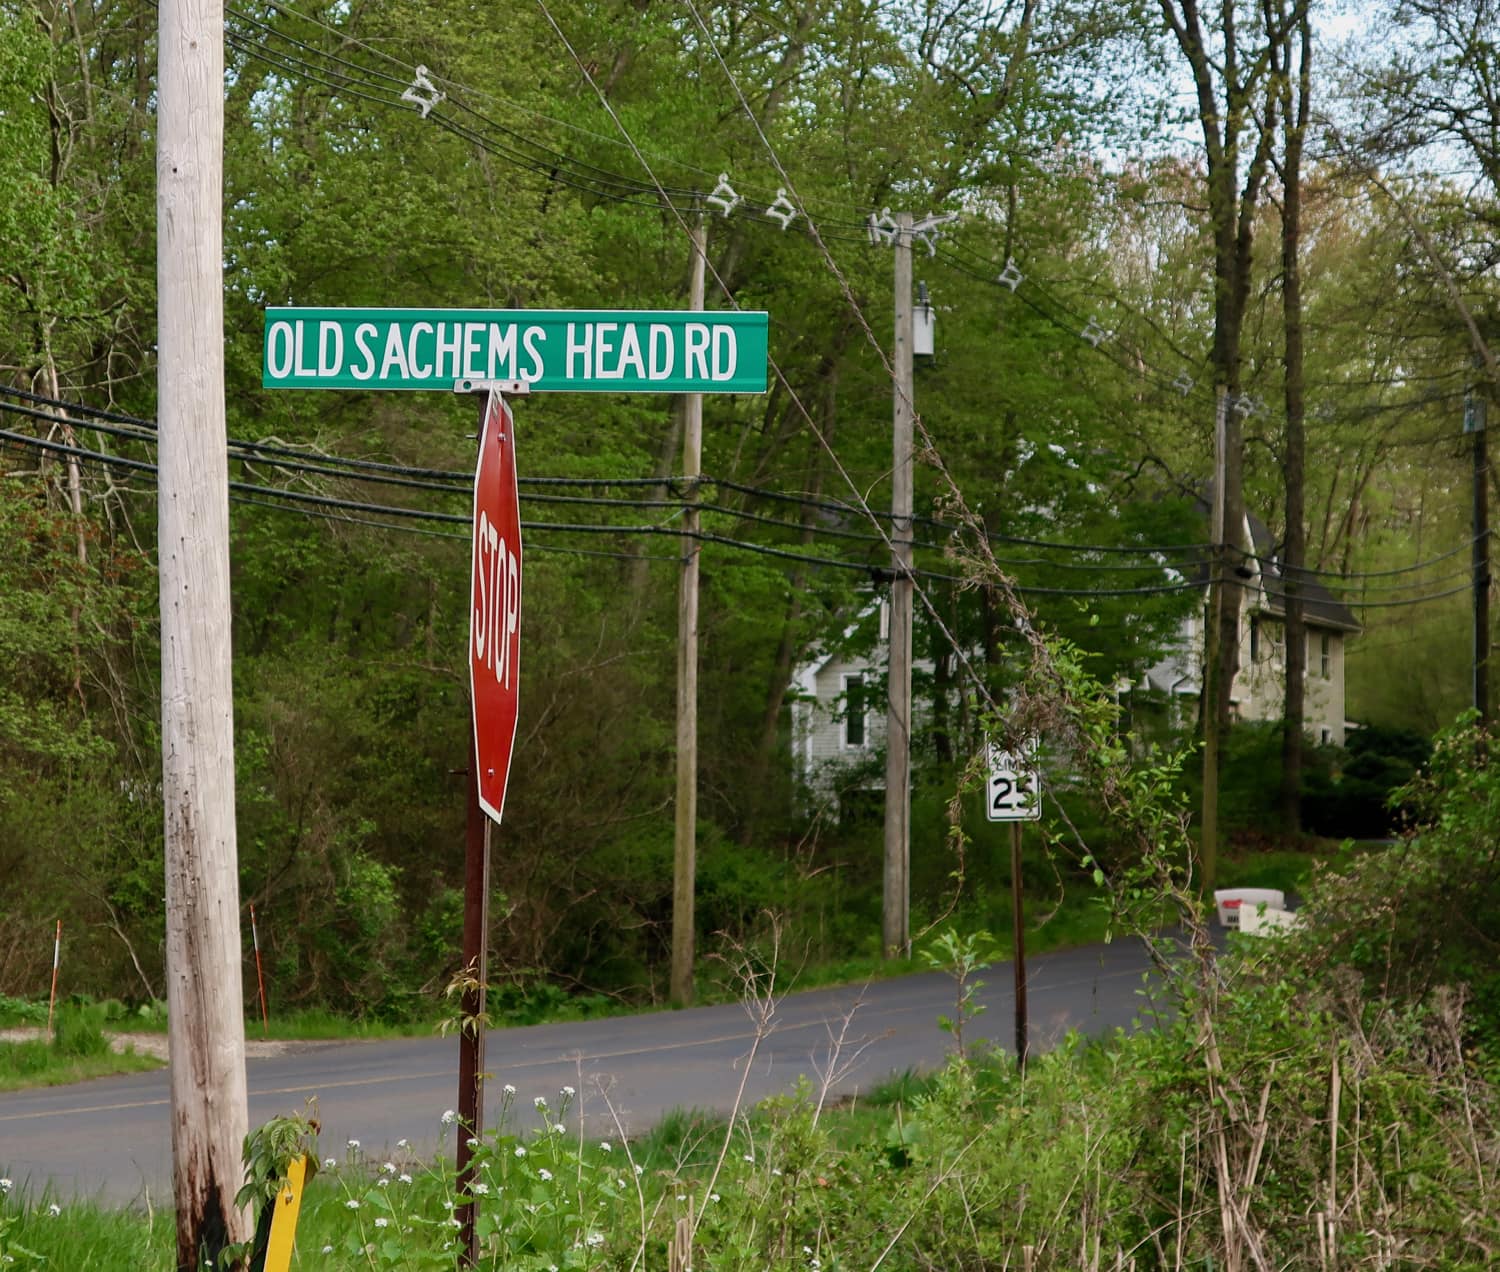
{"x": 1013, "y": 794}
{"x": 500, "y": 354}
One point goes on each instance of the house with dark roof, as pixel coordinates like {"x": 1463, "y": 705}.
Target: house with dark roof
{"x": 1259, "y": 688}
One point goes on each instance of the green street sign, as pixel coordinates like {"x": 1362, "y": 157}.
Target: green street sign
{"x": 577, "y": 350}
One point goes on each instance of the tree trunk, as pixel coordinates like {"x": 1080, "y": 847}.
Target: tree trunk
{"x": 1235, "y": 102}
{"x": 1295, "y": 553}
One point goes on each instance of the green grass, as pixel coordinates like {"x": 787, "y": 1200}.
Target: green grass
{"x": 34, "y": 1064}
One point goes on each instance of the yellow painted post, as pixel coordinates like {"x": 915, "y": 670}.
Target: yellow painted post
{"x": 284, "y": 1220}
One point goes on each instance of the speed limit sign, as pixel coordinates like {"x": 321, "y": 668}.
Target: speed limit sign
{"x": 1014, "y": 789}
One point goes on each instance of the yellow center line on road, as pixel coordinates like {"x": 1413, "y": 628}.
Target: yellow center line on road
{"x": 533, "y": 1063}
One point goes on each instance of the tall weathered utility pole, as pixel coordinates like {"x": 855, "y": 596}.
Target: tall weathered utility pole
{"x": 204, "y": 998}
{"x": 896, "y": 904}
{"x": 898, "y": 231}
{"x": 685, "y": 847}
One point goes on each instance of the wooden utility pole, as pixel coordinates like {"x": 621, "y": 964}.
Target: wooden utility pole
{"x": 204, "y": 995}
{"x": 685, "y": 845}
{"x": 895, "y": 912}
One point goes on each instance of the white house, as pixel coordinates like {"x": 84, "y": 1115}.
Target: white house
{"x": 1260, "y": 682}
{"x": 839, "y": 706}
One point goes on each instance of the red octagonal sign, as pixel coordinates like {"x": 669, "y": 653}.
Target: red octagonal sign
{"x": 495, "y": 616}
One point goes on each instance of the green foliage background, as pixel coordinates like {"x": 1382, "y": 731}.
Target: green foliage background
{"x": 351, "y": 690}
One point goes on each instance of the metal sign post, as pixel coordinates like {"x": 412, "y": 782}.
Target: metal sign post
{"x": 494, "y": 695}
{"x": 1013, "y": 794}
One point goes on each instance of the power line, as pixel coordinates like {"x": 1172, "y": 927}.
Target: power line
{"x": 391, "y": 474}
{"x": 302, "y": 500}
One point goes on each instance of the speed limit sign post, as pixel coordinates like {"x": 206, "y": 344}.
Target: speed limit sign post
{"x": 1013, "y": 793}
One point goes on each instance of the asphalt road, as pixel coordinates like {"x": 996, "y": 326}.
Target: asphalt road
{"x": 110, "y": 1138}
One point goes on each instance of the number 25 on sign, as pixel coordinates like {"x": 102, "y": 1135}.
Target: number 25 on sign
{"x": 1014, "y": 789}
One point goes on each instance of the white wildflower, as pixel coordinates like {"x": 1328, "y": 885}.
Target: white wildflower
{"x": 481, "y": 1190}
{"x": 750, "y": 1157}
{"x": 382, "y": 1182}
{"x": 455, "y": 1222}
{"x": 327, "y": 1249}
{"x": 540, "y": 1101}
{"x": 594, "y": 1239}
{"x": 5, "y": 1186}
{"x": 352, "y": 1203}
{"x": 604, "y": 1146}
{"x": 402, "y": 1143}
{"x": 639, "y": 1170}
{"x": 354, "y": 1146}
{"x": 508, "y": 1089}
{"x": 388, "y": 1169}
{"x": 54, "y": 1210}
{"x": 776, "y": 1173}
{"x": 520, "y": 1150}
{"x": 329, "y": 1163}
{"x": 713, "y": 1196}
{"x": 682, "y": 1196}
{"x": 544, "y": 1175}
{"x": 382, "y": 1222}
{"x": 403, "y": 1178}
{"x": 473, "y": 1143}
{"x": 449, "y": 1117}
{"x": 568, "y": 1092}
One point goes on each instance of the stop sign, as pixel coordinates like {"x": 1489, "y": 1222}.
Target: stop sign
{"x": 495, "y": 614}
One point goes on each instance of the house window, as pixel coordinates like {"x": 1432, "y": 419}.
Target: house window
{"x": 854, "y": 711}
{"x": 1325, "y": 656}
{"x": 1254, "y": 639}
{"x": 1325, "y": 736}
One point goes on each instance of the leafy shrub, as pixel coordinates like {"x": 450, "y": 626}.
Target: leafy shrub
{"x": 1425, "y": 911}
{"x": 78, "y": 1032}
{"x": 20, "y": 1011}
{"x": 1353, "y": 799}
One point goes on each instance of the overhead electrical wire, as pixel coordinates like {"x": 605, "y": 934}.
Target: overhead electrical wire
{"x": 143, "y": 430}
{"x": 324, "y": 505}
{"x": 307, "y": 499}
{"x": 457, "y": 483}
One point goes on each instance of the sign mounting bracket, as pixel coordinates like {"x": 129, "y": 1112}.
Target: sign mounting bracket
{"x": 509, "y": 388}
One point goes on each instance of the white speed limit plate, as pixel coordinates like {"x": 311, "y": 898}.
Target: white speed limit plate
{"x": 1014, "y": 789}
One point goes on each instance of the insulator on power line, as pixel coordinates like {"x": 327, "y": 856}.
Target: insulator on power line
{"x": 724, "y": 196}
{"x": 422, "y": 84}
{"x": 782, "y": 210}
{"x": 884, "y": 229}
